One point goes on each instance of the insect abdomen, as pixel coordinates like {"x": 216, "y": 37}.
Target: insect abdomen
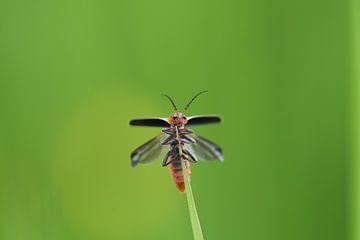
{"x": 177, "y": 174}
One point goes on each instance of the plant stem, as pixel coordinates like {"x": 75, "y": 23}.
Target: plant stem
{"x": 194, "y": 218}
{"x": 354, "y": 211}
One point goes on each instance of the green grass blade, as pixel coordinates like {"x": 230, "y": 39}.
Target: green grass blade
{"x": 195, "y": 221}
{"x": 194, "y": 218}
{"x": 354, "y": 211}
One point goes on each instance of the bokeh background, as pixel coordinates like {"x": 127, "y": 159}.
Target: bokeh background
{"x": 72, "y": 74}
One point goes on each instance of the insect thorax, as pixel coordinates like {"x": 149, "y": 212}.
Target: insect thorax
{"x": 174, "y": 143}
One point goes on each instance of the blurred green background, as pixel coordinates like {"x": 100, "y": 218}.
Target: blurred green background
{"x": 72, "y": 74}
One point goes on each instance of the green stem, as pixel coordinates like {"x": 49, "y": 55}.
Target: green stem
{"x": 194, "y": 218}
{"x": 354, "y": 210}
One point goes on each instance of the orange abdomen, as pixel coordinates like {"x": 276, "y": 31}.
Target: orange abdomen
{"x": 177, "y": 174}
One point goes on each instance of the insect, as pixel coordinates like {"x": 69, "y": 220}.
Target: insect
{"x": 180, "y": 142}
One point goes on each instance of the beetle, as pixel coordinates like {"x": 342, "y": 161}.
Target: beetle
{"x": 181, "y": 143}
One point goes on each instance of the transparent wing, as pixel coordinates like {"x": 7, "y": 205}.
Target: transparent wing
{"x": 204, "y": 149}
{"x": 149, "y": 122}
{"x": 149, "y": 151}
{"x": 203, "y": 119}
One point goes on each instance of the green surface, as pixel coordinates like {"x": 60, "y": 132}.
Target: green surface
{"x": 194, "y": 217}
{"x": 72, "y": 73}
{"x": 354, "y": 209}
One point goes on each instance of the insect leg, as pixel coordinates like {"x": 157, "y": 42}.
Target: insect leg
{"x": 169, "y": 131}
{"x": 192, "y": 157}
{"x": 165, "y": 161}
{"x": 184, "y": 131}
{"x": 188, "y": 139}
{"x": 192, "y": 160}
{"x": 185, "y": 141}
{"x": 169, "y": 140}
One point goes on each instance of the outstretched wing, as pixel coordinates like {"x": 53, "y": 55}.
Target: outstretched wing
{"x": 203, "y": 119}
{"x": 204, "y": 149}
{"x": 149, "y": 151}
{"x": 149, "y": 122}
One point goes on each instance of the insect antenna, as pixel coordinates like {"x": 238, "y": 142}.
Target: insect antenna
{"x": 188, "y": 105}
{"x": 172, "y": 102}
